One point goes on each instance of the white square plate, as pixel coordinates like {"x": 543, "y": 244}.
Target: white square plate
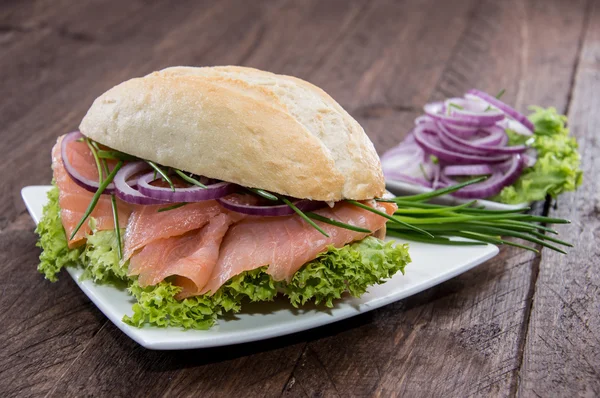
{"x": 405, "y": 188}
{"x": 431, "y": 265}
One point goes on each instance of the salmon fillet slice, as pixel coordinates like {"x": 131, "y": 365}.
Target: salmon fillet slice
{"x": 147, "y": 224}
{"x": 74, "y": 200}
{"x": 285, "y": 244}
{"x": 190, "y": 257}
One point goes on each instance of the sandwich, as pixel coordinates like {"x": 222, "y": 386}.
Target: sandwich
{"x": 201, "y": 189}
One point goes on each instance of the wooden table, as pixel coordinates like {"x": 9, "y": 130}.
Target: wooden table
{"x": 522, "y": 324}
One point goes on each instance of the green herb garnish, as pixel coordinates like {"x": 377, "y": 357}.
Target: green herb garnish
{"x": 264, "y": 194}
{"x": 392, "y": 219}
{"x": 101, "y": 164}
{"x": 304, "y": 216}
{"x": 96, "y": 159}
{"x": 96, "y": 197}
{"x": 162, "y": 174}
{"x": 189, "y": 179}
{"x": 340, "y": 224}
{"x": 115, "y": 155}
{"x": 476, "y": 224}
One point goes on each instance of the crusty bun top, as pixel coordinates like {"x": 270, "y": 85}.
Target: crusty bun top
{"x": 241, "y": 125}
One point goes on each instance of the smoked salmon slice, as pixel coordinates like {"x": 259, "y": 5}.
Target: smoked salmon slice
{"x": 191, "y": 257}
{"x": 287, "y": 243}
{"x": 147, "y": 224}
{"x": 74, "y": 200}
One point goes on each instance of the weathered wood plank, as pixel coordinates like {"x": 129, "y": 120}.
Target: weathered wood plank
{"x": 562, "y": 353}
{"x": 382, "y": 60}
{"x": 464, "y": 337}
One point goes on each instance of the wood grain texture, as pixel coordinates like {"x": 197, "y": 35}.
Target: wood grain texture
{"x": 477, "y": 319}
{"x": 381, "y": 60}
{"x": 562, "y": 354}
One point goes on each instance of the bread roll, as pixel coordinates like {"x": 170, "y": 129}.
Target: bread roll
{"x": 241, "y": 125}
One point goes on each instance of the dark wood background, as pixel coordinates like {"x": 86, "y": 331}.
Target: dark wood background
{"x": 521, "y": 324}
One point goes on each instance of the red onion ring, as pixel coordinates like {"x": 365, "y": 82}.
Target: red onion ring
{"x": 123, "y": 189}
{"x": 493, "y": 185}
{"x": 270, "y": 211}
{"x": 468, "y": 170}
{"x": 462, "y": 118}
{"x": 463, "y": 132}
{"x": 427, "y": 142}
{"x": 504, "y": 108}
{"x": 86, "y": 183}
{"x": 495, "y": 150}
{"x": 496, "y": 137}
{"x": 190, "y": 194}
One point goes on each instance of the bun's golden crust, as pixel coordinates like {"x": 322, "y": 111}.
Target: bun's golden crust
{"x": 241, "y": 125}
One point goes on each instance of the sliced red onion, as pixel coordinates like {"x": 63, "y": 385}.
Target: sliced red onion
{"x": 431, "y": 145}
{"x": 493, "y": 185}
{"x": 504, "y": 108}
{"x": 468, "y": 170}
{"x": 492, "y": 136}
{"x": 408, "y": 162}
{"x": 468, "y": 136}
{"x": 269, "y": 211}
{"x": 403, "y": 177}
{"x": 423, "y": 119}
{"x": 466, "y": 105}
{"x": 190, "y": 194}
{"x": 463, "y": 132}
{"x": 462, "y": 117}
{"x": 494, "y": 150}
{"x": 518, "y": 127}
{"x": 86, "y": 183}
{"x": 125, "y": 192}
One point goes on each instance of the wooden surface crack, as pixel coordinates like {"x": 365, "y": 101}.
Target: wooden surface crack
{"x": 290, "y": 380}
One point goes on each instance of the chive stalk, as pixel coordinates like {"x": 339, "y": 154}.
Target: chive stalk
{"x": 96, "y": 197}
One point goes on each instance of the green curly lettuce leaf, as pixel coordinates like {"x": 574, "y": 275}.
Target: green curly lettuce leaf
{"x": 101, "y": 256}
{"x": 352, "y": 268}
{"x": 53, "y": 241}
{"x": 557, "y": 169}
{"x": 157, "y": 305}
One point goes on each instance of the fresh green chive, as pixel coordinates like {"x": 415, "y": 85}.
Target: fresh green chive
{"x": 115, "y": 211}
{"x": 440, "y": 192}
{"x": 96, "y": 159}
{"x": 96, "y": 197}
{"x": 175, "y": 206}
{"x": 452, "y": 104}
{"x": 500, "y": 93}
{"x": 115, "y": 155}
{"x": 393, "y": 219}
{"x": 496, "y": 241}
{"x": 264, "y": 194}
{"x": 551, "y": 239}
{"x": 162, "y": 174}
{"x": 189, "y": 179}
{"x": 304, "y": 217}
{"x": 441, "y": 209}
{"x": 435, "y": 240}
{"x": 336, "y": 223}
